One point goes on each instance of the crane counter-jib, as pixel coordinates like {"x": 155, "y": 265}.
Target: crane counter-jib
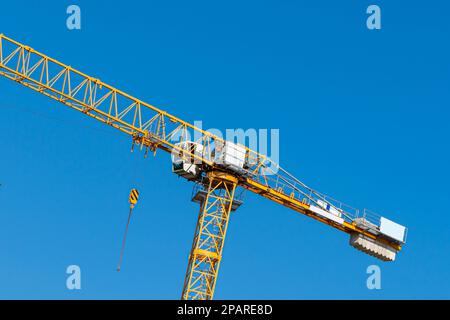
{"x": 153, "y": 128}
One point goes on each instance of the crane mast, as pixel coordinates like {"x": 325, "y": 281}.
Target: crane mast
{"x": 204, "y": 160}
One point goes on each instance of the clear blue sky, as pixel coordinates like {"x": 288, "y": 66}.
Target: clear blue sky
{"x": 375, "y": 102}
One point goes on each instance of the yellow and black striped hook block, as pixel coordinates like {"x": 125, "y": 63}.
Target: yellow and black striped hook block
{"x": 134, "y": 197}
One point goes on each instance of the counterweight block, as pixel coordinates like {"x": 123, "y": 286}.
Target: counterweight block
{"x": 373, "y": 247}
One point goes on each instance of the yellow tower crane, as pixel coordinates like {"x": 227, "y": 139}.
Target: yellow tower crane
{"x": 218, "y": 168}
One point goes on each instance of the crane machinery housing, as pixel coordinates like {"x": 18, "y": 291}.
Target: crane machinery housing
{"x": 219, "y": 168}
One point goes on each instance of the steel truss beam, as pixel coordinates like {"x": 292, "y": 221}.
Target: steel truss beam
{"x": 209, "y": 238}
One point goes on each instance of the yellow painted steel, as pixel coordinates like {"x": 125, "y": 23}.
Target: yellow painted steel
{"x": 152, "y": 128}
{"x": 209, "y": 238}
{"x": 301, "y": 207}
